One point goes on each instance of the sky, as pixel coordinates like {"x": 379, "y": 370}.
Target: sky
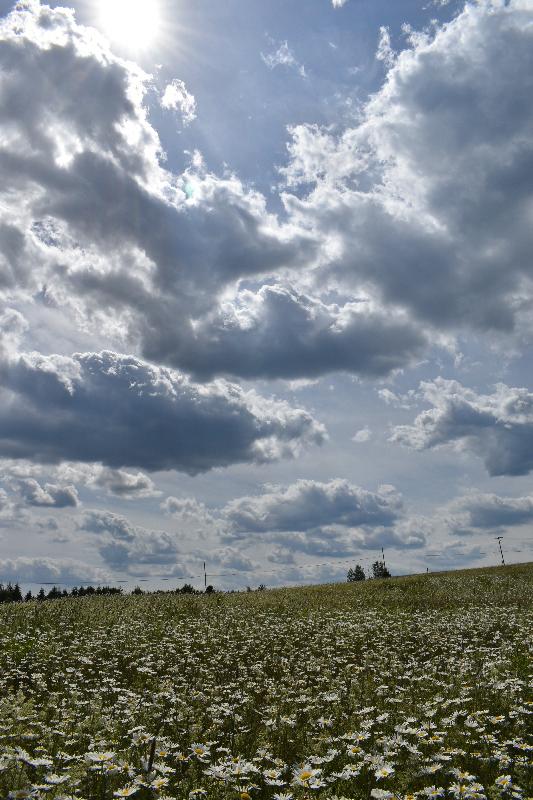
{"x": 265, "y": 289}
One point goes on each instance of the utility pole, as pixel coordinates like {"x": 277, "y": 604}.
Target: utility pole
{"x": 383, "y": 557}
{"x": 205, "y": 577}
{"x": 499, "y": 539}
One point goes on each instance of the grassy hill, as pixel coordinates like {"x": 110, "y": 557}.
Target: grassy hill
{"x": 412, "y": 687}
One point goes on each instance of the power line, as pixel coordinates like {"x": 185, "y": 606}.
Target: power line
{"x": 204, "y": 574}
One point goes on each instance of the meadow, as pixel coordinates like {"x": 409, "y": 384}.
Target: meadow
{"x": 404, "y": 688}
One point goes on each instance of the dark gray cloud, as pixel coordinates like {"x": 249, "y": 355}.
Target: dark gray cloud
{"x": 309, "y": 504}
{"x": 482, "y": 511}
{"x": 497, "y": 427}
{"x": 118, "y": 410}
{"x": 108, "y": 224}
{"x": 115, "y": 236}
{"x": 50, "y": 495}
{"x": 248, "y": 335}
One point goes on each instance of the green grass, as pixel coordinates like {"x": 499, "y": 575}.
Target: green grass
{"x": 414, "y": 686}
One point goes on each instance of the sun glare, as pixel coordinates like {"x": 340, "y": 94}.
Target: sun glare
{"x": 133, "y": 24}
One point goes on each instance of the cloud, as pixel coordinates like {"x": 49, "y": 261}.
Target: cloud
{"x": 247, "y": 336}
{"x": 188, "y": 509}
{"x": 310, "y": 504}
{"x": 283, "y": 57}
{"x": 175, "y": 96}
{"x": 48, "y": 570}
{"x": 362, "y": 435}
{"x": 125, "y": 484}
{"x": 426, "y": 201}
{"x": 338, "y": 3}
{"x": 404, "y": 401}
{"x": 50, "y": 495}
{"x": 480, "y": 511}
{"x": 121, "y": 411}
{"x": 498, "y": 427}
{"x": 122, "y": 545}
{"x": 385, "y": 52}
{"x": 117, "y": 243}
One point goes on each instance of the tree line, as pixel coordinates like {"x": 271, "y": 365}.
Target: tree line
{"x": 12, "y": 592}
{"x": 357, "y": 573}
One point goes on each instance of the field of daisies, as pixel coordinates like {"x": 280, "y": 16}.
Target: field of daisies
{"x": 403, "y": 688}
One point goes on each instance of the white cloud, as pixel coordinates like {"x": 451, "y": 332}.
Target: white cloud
{"x": 497, "y": 427}
{"x": 49, "y": 570}
{"x": 129, "y": 485}
{"x": 50, "y": 495}
{"x": 428, "y": 196}
{"x": 384, "y": 51}
{"x": 175, "y": 96}
{"x": 362, "y": 435}
{"x": 283, "y": 57}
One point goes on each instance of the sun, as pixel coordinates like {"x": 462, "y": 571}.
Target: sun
{"x": 132, "y": 24}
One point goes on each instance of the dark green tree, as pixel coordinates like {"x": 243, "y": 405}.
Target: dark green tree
{"x": 379, "y": 570}
{"x": 356, "y": 574}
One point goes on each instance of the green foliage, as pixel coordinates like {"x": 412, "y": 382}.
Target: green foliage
{"x": 371, "y": 690}
{"x": 379, "y": 570}
{"x": 356, "y": 574}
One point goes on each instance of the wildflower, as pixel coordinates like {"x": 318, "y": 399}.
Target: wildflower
{"x": 384, "y": 771}
{"x": 503, "y": 781}
{"x": 432, "y": 792}
{"x": 307, "y": 777}
{"x": 158, "y": 783}
{"x": 201, "y": 751}
{"x": 56, "y": 780}
{"x": 127, "y": 791}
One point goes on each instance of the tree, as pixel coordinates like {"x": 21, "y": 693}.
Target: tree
{"x": 379, "y": 570}
{"x": 357, "y": 574}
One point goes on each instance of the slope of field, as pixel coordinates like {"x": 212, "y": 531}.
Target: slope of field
{"x": 404, "y": 688}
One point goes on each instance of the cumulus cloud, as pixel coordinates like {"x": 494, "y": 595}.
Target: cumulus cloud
{"x": 497, "y": 427}
{"x": 50, "y": 495}
{"x": 362, "y": 435}
{"x": 122, "y": 483}
{"x": 311, "y": 504}
{"x": 247, "y": 337}
{"x": 115, "y": 239}
{"x": 175, "y": 96}
{"x": 49, "y": 570}
{"x": 122, "y": 544}
{"x": 476, "y": 512}
{"x": 188, "y": 509}
{"x": 118, "y": 410}
{"x": 428, "y": 198}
